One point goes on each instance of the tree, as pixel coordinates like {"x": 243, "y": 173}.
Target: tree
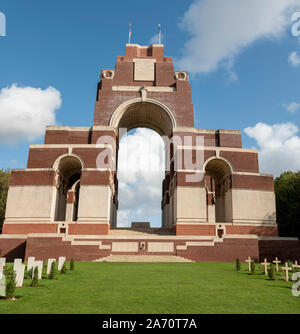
{"x": 52, "y": 274}
{"x": 4, "y": 184}
{"x": 271, "y": 272}
{"x": 72, "y": 265}
{"x": 238, "y": 264}
{"x": 287, "y": 191}
{"x": 10, "y": 283}
{"x": 35, "y": 279}
{"x": 63, "y": 269}
{"x": 253, "y": 271}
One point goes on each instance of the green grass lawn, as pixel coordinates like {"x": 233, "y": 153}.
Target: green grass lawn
{"x": 135, "y": 288}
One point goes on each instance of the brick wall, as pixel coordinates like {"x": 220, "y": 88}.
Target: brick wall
{"x": 12, "y": 248}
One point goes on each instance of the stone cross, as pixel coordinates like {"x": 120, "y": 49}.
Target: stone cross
{"x": 265, "y": 264}
{"x": 296, "y": 265}
{"x": 30, "y": 262}
{"x": 2, "y": 262}
{"x": 20, "y": 269}
{"x": 61, "y": 261}
{"x": 49, "y": 264}
{"x": 286, "y": 268}
{"x": 276, "y": 261}
{"x": 249, "y": 262}
{"x": 39, "y": 265}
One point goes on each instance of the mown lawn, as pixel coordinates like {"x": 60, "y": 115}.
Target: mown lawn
{"x": 134, "y": 288}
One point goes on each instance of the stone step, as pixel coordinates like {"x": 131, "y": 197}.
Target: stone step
{"x": 142, "y": 258}
{"x": 141, "y": 231}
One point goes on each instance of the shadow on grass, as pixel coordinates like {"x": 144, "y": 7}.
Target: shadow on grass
{"x": 279, "y": 287}
{"x": 13, "y": 299}
{"x": 30, "y": 286}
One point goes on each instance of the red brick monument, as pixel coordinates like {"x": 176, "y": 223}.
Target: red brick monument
{"x": 216, "y": 205}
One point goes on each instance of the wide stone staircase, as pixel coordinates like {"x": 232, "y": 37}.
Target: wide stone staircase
{"x": 141, "y": 231}
{"x": 142, "y": 258}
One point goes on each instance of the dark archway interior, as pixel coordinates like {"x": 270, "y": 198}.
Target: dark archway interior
{"x": 218, "y": 184}
{"x": 69, "y": 172}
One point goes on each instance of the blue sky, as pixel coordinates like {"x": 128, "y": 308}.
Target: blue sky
{"x": 241, "y": 69}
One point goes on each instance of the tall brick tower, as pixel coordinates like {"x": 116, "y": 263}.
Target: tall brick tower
{"x": 66, "y": 201}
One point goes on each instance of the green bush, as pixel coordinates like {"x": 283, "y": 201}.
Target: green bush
{"x": 35, "y": 279}
{"x": 44, "y": 270}
{"x": 63, "y": 269}
{"x": 290, "y": 264}
{"x": 72, "y": 265}
{"x": 28, "y": 274}
{"x": 253, "y": 270}
{"x": 271, "y": 272}
{"x": 10, "y": 283}
{"x": 52, "y": 274}
{"x": 238, "y": 264}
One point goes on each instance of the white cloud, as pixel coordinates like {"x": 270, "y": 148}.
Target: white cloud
{"x": 140, "y": 174}
{"x": 231, "y": 73}
{"x": 220, "y": 30}
{"x": 294, "y": 59}
{"x": 123, "y": 218}
{"x": 292, "y": 107}
{"x": 154, "y": 39}
{"x": 278, "y": 145}
{"x": 25, "y": 112}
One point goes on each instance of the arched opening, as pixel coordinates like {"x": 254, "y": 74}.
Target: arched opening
{"x": 151, "y": 114}
{"x": 68, "y": 188}
{"x": 146, "y": 125}
{"x": 141, "y": 170}
{"x": 218, "y": 186}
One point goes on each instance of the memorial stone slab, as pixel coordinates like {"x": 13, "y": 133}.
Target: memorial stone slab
{"x": 2, "y": 286}
{"x": 30, "y": 262}
{"x": 39, "y": 265}
{"x": 61, "y": 261}
{"x": 49, "y": 264}
{"x": 17, "y": 262}
{"x": 20, "y": 269}
{"x": 2, "y": 262}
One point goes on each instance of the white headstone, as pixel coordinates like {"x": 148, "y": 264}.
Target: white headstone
{"x": 61, "y": 261}
{"x": 39, "y": 265}
{"x": 49, "y": 264}
{"x": 2, "y": 286}
{"x": 20, "y": 269}
{"x": 2, "y": 262}
{"x": 17, "y": 262}
{"x": 30, "y": 262}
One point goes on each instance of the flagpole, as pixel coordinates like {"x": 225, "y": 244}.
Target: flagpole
{"x": 159, "y": 34}
{"x": 129, "y": 37}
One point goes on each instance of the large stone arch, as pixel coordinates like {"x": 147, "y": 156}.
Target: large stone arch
{"x": 151, "y": 113}
{"x": 68, "y": 170}
{"x": 218, "y": 173}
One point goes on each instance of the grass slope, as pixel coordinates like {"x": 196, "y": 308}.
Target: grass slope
{"x": 155, "y": 288}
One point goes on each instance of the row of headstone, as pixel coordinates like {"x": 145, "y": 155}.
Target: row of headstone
{"x": 286, "y": 268}
{"x": 19, "y": 268}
